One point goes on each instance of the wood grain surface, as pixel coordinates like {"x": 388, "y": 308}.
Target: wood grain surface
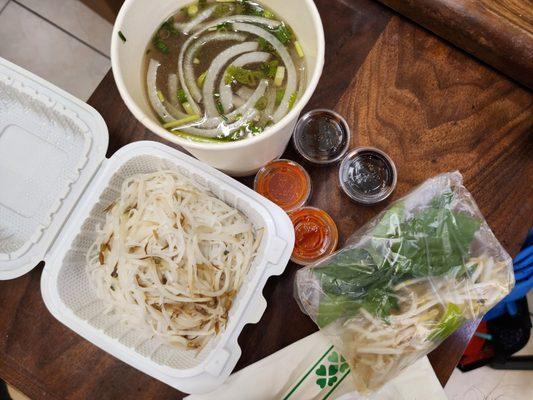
{"x": 430, "y": 106}
{"x": 498, "y": 32}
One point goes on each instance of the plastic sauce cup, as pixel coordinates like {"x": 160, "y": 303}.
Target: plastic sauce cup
{"x": 316, "y": 235}
{"x": 367, "y": 175}
{"x": 322, "y": 136}
{"x": 285, "y": 183}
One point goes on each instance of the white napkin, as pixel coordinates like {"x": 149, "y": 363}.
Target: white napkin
{"x": 312, "y": 369}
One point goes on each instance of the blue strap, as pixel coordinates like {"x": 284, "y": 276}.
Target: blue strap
{"x": 524, "y": 254}
{"x": 512, "y": 309}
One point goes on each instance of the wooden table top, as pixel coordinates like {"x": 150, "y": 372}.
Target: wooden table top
{"x": 498, "y": 32}
{"x": 427, "y": 104}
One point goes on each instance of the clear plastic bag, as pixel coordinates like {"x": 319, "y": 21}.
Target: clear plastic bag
{"x": 406, "y": 280}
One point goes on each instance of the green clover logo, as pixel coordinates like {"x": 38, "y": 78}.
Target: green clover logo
{"x": 328, "y": 376}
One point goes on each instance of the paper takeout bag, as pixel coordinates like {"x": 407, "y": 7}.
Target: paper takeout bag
{"x": 312, "y": 369}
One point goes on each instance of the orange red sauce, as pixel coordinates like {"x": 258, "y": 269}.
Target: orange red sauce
{"x": 316, "y": 235}
{"x": 285, "y": 183}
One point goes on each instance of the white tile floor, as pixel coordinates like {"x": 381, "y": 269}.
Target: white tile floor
{"x": 74, "y": 17}
{"x": 62, "y": 41}
{"x": 66, "y": 43}
{"x": 489, "y": 384}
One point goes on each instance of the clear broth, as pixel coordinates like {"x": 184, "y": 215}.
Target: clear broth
{"x": 165, "y": 48}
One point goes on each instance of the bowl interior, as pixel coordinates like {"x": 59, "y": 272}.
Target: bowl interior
{"x": 138, "y": 20}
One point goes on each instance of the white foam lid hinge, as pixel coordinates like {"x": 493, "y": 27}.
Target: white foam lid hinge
{"x": 51, "y": 144}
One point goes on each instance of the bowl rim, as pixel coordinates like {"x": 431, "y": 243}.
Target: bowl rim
{"x": 186, "y": 143}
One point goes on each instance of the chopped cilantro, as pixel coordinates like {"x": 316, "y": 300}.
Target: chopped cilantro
{"x": 261, "y": 103}
{"x": 168, "y": 26}
{"x": 249, "y": 8}
{"x": 269, "y": 68}
{"x": 264, "y": 45}
{"x": 242, "y": 75}
{"x": 283, "y": 33}
{"x": 279, "y": 96}
{"x": 225, "y": 26}
{"x": 218, "y": 104}
{"x": 182, "y": 97}
{"x": 292, "y": 100}
{"x": 161, "y": 46}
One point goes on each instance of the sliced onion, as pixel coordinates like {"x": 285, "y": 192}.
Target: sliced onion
{"x": 222, "y": 130}
{"x": 186, "y": 66}
{"x": 245, "y": 92}
{"x": 151, "y": 78}
{"x": 232, "y": 116}
{"x": 251, "y": 58}
{"x": 238, "y": 101}
{"x": 214, "y": 70}
{"x": 271, "y": 23}
{"x": 187, "y": 27}
{"x": 173, "y": 88}
{"x": 290, "y": 88}
{"x": 269, "y": 109}
{"x": 302, "y": 82}
{"x": 175, "y": 112}
{"x": 235, "y": 18}
{"x": 226, "y": 96}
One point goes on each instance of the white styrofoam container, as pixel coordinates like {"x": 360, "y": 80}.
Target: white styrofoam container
{"x": 55, "y": 183}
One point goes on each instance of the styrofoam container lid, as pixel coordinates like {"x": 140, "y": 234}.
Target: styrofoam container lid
{"x": 51, "y": 144}
{"x": 55, "y": 184}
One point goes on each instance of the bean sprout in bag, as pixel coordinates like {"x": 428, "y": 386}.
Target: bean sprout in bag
{"x": 407, "y": 280}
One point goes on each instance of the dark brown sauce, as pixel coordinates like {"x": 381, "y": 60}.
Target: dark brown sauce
{"x": 321, "y": 136}
{"x": 369, "y": 173}
{"x": 368, "y": 176}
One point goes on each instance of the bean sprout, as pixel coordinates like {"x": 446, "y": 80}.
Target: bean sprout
{"x": 407, "y": 331}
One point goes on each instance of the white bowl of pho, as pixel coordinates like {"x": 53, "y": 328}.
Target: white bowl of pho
{"x": 224, "y": 79}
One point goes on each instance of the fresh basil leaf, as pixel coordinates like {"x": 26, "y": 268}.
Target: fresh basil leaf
{"x": 434, "y": 241}
{"x": 380, "y": 302}
{"x": 389, "y": 225}
{"x": 333, "y": 307}
{"x": 349, "y": 272}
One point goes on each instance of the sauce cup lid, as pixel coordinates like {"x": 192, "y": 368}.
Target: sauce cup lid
{"x": 316, "y": 235}
{"x": 367, "y": 175}
{"x": 285, "y": 183}
{"x": 321, "y": 136}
